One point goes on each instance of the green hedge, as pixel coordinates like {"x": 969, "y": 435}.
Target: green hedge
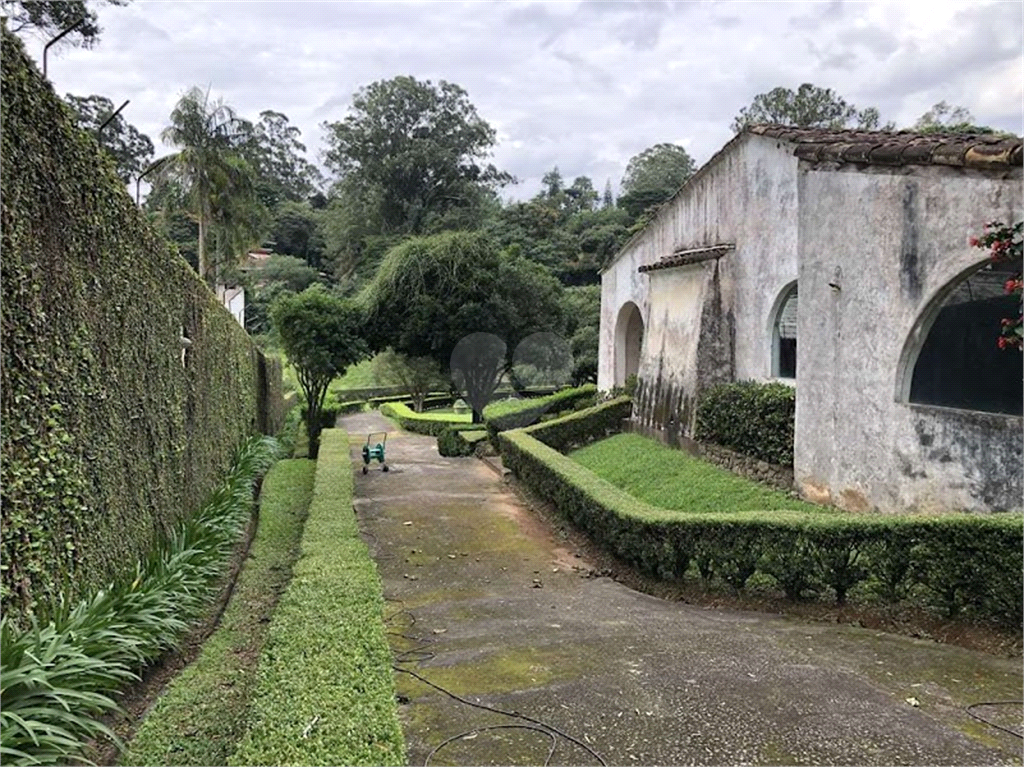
{"x": 752, "y": 418}
{"x": 107, "y": 440}
{"x": 325, "y": 693}
{"x": 959, "y": 563}
{"x": 515, "y": 414}
{"x": 431, "y": 424}
{"x": 461, "y": 440}
{"x": 583, "y": 427}
{"x": 198, "y": 717}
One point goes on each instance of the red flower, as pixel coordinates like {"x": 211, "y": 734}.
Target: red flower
{"x": 973, "y": 242}
{"x": 1002, "y": 342}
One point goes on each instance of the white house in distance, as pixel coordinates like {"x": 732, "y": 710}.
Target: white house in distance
{"x": 233, "y": 299}
{"x": 837, "y": 261}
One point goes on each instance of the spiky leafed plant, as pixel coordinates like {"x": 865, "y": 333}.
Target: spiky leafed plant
{"x": 207, "y": 164}
{"x": 57, "y": 677}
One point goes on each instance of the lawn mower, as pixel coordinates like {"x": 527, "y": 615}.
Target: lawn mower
{"x": 371, "y": 452}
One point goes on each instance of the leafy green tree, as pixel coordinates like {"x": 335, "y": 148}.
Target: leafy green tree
{"x": 218, "y": 183}
{"x": 410, "y": 152}
{"x": 943, "y": 118}
{"x": 430, "y": 293}
{"x": 131, "y": 150}
{"x": 273, "y": 148}
{"x": 49, "y": 17}
{"x": 168, "y": 208}
{"x": 582, "y": 307}
{"x": 653, "y": 176}
{"x": 807, "y": 107}
{"x": 295, "y": 231}
{"x": 417, "y": 376}
{"x": 321, "y": 336}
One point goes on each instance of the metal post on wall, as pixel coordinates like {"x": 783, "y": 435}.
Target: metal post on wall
{"x": 46, "y": 48}
{"x": 146, "y": 172}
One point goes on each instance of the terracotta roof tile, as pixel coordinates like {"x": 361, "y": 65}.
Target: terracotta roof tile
{"x": 972, "y": 150}
{"x": 689, "y": 256}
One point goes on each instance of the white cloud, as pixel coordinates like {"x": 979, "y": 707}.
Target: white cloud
{"x": 580, "y": 85}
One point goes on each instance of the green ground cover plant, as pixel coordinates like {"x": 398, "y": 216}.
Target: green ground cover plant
{"x": 59, "y": 675}
{"x": 199, "y": 718}
{"x": 325, "y": 692}
{"x": 956, "y": 564}
{"x": 674, "y": 479}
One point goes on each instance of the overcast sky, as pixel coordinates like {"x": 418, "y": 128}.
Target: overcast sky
{"x": 580, "y": 85}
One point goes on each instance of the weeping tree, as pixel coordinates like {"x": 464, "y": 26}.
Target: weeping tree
{"x": 218, "y": 183}
{"x": 321, "y": 336}
{"x": 454, "y": 297}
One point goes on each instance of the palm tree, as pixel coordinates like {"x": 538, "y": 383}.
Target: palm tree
{"x": 218, "y": 182}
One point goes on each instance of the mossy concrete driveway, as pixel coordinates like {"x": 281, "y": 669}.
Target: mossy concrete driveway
{"x": 484, "y": 601}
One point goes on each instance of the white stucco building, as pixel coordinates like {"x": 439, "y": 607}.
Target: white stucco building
{"x": 839, "y": 262}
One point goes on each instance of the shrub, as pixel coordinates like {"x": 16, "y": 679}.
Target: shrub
{"x": 431, "y": 424}
{"x": 752, "y": 418}
{"x": 460, "y": 440}
{"x": 970, "y": 564}
{"x": 583, "y": 427}
{"x": 515, "y": 414}
{"x": 325, "y": 693}
{"x": 58, "y": 675}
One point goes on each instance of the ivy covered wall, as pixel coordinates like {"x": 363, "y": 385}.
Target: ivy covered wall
{"x": 108, "y": 437}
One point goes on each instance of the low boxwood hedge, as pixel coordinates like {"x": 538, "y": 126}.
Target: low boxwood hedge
{"x": 583, "y": 427}
{"x": 958, "y": 562}
{"x": 428, "y": 423}
{"x": 325, "y": 693}
{"x": 515, "y": 414}
{"x": 460, "y": 440}
{"x": 752, "y": 418}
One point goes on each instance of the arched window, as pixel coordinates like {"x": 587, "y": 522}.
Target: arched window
{"x": 959, "y": 364}
{"x": 784, "y": 334}
{"x": 629, "y": 335}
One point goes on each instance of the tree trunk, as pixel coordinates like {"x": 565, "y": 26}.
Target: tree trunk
{"x": 478, "y": 416}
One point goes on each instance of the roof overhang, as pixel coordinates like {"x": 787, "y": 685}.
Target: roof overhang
{"x": 690, "y": 256}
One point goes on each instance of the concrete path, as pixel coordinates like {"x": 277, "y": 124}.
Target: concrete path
{"x": 485, "y": 602}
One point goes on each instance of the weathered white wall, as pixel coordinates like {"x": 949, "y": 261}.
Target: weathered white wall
{"x": 891, "y": 240}
{"x": 747, "y": 196}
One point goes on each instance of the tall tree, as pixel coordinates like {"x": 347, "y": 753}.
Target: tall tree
{"x": 49, "y": 17}
{"x": 653, "y": 176}
{"x": 207, "y": 165}
{"x": 455, "y": 292}
{"x": 807, "y": 107}
{"x": 131, "y": 150}
{"x": 321, "y": 337}
{"x": 944, "y": 118}
{"x": 273, "y": 148}
{"x": 412, "y": 151}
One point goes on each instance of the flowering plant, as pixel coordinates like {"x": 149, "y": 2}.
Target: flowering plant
{"x": 1005, "y": 244}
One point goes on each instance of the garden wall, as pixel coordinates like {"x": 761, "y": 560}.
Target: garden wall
{"x": 110, "y": 433}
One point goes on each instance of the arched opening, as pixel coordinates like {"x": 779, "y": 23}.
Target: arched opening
{"x": 784, "y": 317}
{"x": 629, "y": 336}
{"x": 952, "y": 358}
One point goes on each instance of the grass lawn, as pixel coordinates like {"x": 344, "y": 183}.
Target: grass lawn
{"x": 201, "y": 716}
{"x": 359, "y": 376}
{"x": 673, "y": 479}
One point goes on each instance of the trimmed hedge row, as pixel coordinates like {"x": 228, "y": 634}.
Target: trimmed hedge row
{"x": 421, "y": 423}
{"x": 578, "y": 429}
{"x": 750, "y": 417}
{"x": 504, "y": 415}
{"x": 199, "y": 717}
{"x": 958, "y": 563}
{"x": 325, "y": 693}
{"x": 453, "y": 441}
